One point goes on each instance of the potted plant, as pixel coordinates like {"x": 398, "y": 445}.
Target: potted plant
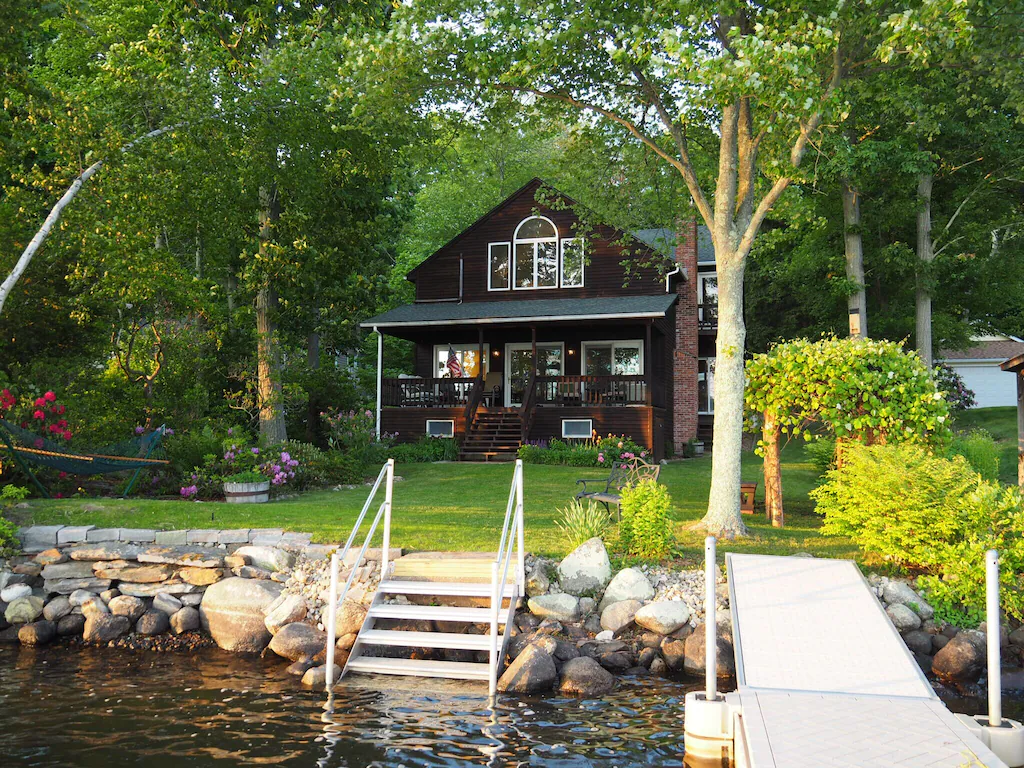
{"x": 248, "y": 487}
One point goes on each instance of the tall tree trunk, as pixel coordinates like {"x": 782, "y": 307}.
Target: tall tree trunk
{"x": 856, "y": 302}
{"x": 925, "y": 255}
{"x": 312, "y": 403}
{"x": 772, "y": 471}
{"x": 268, "y": 351}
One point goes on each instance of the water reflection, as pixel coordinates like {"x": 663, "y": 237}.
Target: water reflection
{"x": 108, "y": 708}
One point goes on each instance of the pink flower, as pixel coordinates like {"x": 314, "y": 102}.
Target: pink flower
{"x": 67, "y": 434}
{"x": 40, "y": 402}
{"x": 62, "y": 475}
{"x": 39, "y": 415}
{"x": 49, "y": 397}
{"x": 600, "y": 458}
{"x": 60, "y": 410}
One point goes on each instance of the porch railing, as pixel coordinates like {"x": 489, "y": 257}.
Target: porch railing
{"x": 707, "y": 317}
{"x": 592, "y": 390}
{"x": 426, "y": 393}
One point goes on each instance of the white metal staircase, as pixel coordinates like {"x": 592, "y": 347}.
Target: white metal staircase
{"x": 481, "y": 611}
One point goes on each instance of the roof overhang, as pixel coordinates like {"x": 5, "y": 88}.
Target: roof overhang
{"x": 1014, "y": 364}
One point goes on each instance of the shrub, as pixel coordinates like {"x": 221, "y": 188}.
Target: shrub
{"x": 9, "y": 544}
{"x": 980, "y": 450}
{"x": 928, "y": 514}
{"x": 579, "y": 523}
{"x": 645, "y": 523}
{"x": 951, "y": 384}
{"x": 821, "y": 453}
{"x": 186, "y": 450}
{"x": 595, "y": 452}
{"x": 426, "y": 449}
{"x": 354, "y": 432}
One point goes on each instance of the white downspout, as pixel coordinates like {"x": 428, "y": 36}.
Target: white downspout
{"x": 380, "y": 373}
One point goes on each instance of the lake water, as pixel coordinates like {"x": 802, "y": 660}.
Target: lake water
{"x": 101, "y": 708}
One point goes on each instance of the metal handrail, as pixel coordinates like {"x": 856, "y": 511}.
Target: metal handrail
{"x": 512, "y": 531}
{"x": 384, "y": 510}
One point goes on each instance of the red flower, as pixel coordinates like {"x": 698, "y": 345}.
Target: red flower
{"x": 62, "y": 475}
{"x": 53, "y": 409}
{"x": 62, "y": 423}
{"x": 40, "y": 402}
{"x": 39, "y": 415}
{"x": 50, "y": 397}
{"x": 60, "y": 410}
{"x": 54, "y": 428}
{"x": 67, "y": 434}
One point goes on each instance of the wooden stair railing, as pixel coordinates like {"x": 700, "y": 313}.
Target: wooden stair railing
{"x": 529, "y": 406}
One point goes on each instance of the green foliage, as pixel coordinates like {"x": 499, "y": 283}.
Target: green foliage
{"x": 425, "y": 449}
{"x": 926, "y": 513}
{"x": 864, "y": 390}
{"x": 246, "y": 476}
{"x": 582, "y": 521}
{"x": 980, "y": 450}
{"x": 596, "y": 452}
{"x": 645, "y": 530}
{"x": 9, "y": 494}
{"x": 189, "y": 449}
{"x": 951, "y": 384}
{"x": 822, "y": 454}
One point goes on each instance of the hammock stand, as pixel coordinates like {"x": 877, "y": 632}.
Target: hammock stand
{"x": 55, "y": 456}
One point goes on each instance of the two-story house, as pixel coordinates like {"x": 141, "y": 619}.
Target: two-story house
{"x": 527, "y": 330}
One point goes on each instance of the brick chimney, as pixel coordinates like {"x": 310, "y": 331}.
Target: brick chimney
{"x": 684, "y": 362}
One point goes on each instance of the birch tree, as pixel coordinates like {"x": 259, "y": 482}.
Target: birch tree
{"x": 763, "y": 78}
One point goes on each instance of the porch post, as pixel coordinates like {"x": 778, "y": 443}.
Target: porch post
{"x": 380, "y": 373}
{"x": 480, "y": 355}
{"x": 1020, "y": 427}
{"x": 647, "y": 362}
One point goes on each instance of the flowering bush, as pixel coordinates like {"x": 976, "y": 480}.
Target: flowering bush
{"x": 951, "y": 384}
{"x": 355, "y": 433}
{"x": 595, "y": 452}
{"x": 42, "y": 415}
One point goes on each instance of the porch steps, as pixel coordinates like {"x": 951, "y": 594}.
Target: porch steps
{"x": 494, "y": 435}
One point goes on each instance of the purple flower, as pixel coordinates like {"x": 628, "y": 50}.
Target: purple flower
{"x": 139, "y": 430}
{"x": 231, "y": 431}
{"x": 168, "y": 431}
{"x": 188, "y": 491}
{"x": 255, "y": 451}
{"x": 285, "y": 457}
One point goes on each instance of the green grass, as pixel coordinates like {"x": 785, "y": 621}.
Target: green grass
{"x": 1001, "y": 423}
{"x": 461, "y": 507}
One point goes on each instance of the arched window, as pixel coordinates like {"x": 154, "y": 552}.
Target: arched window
{"x": 535, "y": 246}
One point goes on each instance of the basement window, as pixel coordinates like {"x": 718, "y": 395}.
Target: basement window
{"x": 577, "y": 429}
{"x": 440, "y": 427}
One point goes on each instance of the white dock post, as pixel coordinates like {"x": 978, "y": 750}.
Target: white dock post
{"x": 995, "y": 703}
{"x": 710, "y": 622}
{"x": 332, "y": 614}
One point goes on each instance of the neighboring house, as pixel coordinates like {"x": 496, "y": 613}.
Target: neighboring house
{"x": 526, "y": 331}
{"x": 979, "y": 367}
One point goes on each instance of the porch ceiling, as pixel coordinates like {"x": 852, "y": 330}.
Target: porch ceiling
{"x": 523, "y": 311}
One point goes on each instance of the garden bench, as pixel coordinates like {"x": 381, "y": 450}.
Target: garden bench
{"x": 622, "y": 474}
{"x": 747, "y": 491}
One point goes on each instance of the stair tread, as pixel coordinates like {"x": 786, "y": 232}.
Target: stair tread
{"x": 426, "y": 639}
{"x": 452, "y": 588}
{"x": 463, "y": 670}
{"x": 436, "y": 613}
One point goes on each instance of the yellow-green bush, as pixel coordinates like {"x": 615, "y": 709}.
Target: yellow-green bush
{"x": 928, "y": 514}
{"x": 644, "y": 530}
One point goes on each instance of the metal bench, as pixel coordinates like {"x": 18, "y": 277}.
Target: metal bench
{"x": 624, "y": 473}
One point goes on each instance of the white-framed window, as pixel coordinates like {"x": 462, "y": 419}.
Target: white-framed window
{"x": 613, "y": 358}
{"x": 535, "y": 254}
{"x": 440, "y": 428}
{"x": 468, "y": 356}
{"x": 707, "y": 295}
{"x": 572, "y": 263}
{"x": 578, "y": 429}
{"x": 499, "y": 266}
{"x": 706, "y": 385}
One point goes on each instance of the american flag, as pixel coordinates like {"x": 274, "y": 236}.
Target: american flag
{"x": 454, "y": 366}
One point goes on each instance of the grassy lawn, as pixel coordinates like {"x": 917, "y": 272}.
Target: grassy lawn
{"x": 461, "y": 507}
{"x": 1001, "y": 423}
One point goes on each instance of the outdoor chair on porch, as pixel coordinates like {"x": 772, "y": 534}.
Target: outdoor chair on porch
{"x": 623, "y": 474}
{"x": 492, "y": 389}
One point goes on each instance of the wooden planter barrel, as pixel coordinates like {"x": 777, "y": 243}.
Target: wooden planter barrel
{"x": 247, "y": 493}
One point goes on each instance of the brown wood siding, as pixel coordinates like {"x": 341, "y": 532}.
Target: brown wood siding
{"x": 411, "y": 423}
{"x": 604, "y": 275}
{"x": 633, "y": 422}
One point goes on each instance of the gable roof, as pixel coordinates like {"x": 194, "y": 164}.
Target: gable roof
{"x": 534, "y": 183}
{"x": 992, "y": 348}
{"x": 515, "y": 311}
{"x": 664, "y": 240}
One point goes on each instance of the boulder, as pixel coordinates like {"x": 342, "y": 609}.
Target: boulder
{"x": 138, "y": 574}
{"x": 298, "y": 641}
{"x": 919, "y": 642}
{"x": 126, "y": 605}
{"x": 903, "y": 618}
{"x": 349, "y": 618}
{"x": 50, "y": 556}
{"x": 533, "y": 671}
{"x": 57, "y": 609}
{"x": 287, "y": 609}
{"x": 962, "y": 659}
{"x": 9, "y": 636}
{"x": 108, "y": 595}
{"x": 585, "y": 569}
{"x": 537, "y": 583}
{"x": 1017, "y": 637}
{"x": 659, "y": 667}
{"x": 233, "y": 612}
{"x": 104, "y": 627}
{"x": 628, "y": 584}
{"x": 583, "y": 676}
{"x": 618, "y": 616}
{"x": 616, "y": 661}
{"x": 185, "y": 620}
{"x": 900, "y": 593}
{"x": 674, "y": 652}
{"x": 79, "y": 596}
{"x": 72, "y": 624}
{"x": 201, "y": 577}
{"x": 235, "y": 561}
{"x": 24, "y": 610}
{"x": 694, "y": 661}
{"x": 300, "y": 667}
{"x": 169, "y": 604}
{"x": 28, "y": 569}
{"x": 587, "y": 606}
{"x": 15, "y": 592}
{"x": 664, "y": 617}
{"x": 37, "y": 633}
{"x": 316, "y": 677}
{"x": 254, "y": 572}
{"x": 152, "y": 623}
{"x": 268, "y": 558}
{"x": 561, "y": 607}
{"x": 646, "y": 657}
{"x": 94, "y": 607}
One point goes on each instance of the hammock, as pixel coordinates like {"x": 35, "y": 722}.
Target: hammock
{"x": 29, "y": 447}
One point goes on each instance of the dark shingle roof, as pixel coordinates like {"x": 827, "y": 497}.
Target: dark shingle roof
{"x": 988, "y": 349}
{"x": 664, "y": 240}
{"x": 486, "y": 312}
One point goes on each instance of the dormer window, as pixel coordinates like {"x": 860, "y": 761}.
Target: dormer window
{"x": 535, "y": 258}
